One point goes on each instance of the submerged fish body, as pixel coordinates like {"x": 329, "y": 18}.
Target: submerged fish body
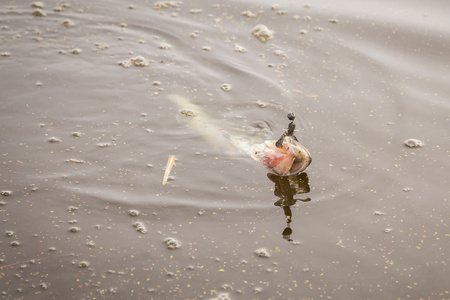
{"x": 214, "y": 131}
{"x": 289, "y": 159}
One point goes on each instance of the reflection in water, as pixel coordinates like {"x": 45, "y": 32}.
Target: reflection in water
{"x": 286, "y": 188}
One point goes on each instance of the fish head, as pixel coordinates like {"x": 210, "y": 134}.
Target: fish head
{"x": 290, "y": 159}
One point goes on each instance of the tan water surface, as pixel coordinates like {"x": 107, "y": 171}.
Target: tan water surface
{"x": 87, "y": 126}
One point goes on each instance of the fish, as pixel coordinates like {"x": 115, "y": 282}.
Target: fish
{"x": 290, "y": 158}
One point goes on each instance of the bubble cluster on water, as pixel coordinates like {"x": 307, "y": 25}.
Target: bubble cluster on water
{"x": 222, "y": 296}
{"x": 188, "y": 112}
{"x": 194, "y": 34}
{"x": 226, "y": 87}
{"x": 38, "y": 4}
{"x": 100, "y": 47}
{"x": 378, "y": 213}
{"x": 138, "y": 61}
{"x": 140, "y": 227}
{"x": 262, "y": 33}
{"x": 172, "y": 243}
{"x": 74, "y": 229}
{"x": 196, "y": 11}
{"x": 43, "y": 285}
{"x": 54, "y": 140}
{"x": 166, "y": 4}
{"x": 39, "y": 13}
{"x": 84, "y": 264}
{"x": 164, "y": 46}
{"x": 261, "y": 104}
{"x": 414, "y": 143}
{"x": 103, "y": 145}
{"x": 68, "y": 23}
{"x": 72, "y": 208}
{"x": 262, "y": 252}
{"x": 76, "y": 51}
{"x": 249, "y": 14}
{"x": 6, "y": 193}
{"x": 240, "y": 49}
{"x": 133, "y": 212}
{"x": 15, "y": 243}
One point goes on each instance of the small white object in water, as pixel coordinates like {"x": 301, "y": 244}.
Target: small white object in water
{"x": 222, "y": 296}
{"x": 261, "y": 104}
{"x": 166, "y": 4}
{"x": 76, "y": 51}
{"x": 188, "y": 112}
{"x": 378, "y": 213}
{"x": 172, "y": 243}
{"x": 262, "y": 252}
{"x": 38, "y": 4}
{"x": 39, "y": 13}
{"x": 68, "y": 23}
{"x": 239, "y": 48}
{"x": 140, "y": 227}
{"x": 262, "y": 33}
{"x": 226, "y": 87}
{"x": 413, "y": 143}
{"x": 196, "y": 11}
{"x": 164, "y": 46}
{"x": 100, "y": 47}
{"x": 248, "y": 14}
{"x": 138, "y": 61}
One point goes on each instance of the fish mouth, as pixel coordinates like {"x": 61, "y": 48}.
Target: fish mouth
{"x": 289, "y": 159}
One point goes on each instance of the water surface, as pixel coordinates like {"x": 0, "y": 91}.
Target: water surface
{"x": 85, "y": 140}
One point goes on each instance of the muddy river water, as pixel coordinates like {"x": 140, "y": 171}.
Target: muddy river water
{"x": 87, "y": 125}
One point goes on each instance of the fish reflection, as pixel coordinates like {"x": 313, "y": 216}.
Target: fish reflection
{"x": 286, "y": 188}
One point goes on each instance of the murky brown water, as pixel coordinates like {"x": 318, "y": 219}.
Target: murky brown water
{"x": 84, "y": 143}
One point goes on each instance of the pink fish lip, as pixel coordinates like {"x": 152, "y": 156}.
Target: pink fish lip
{"x": 290, "y": 159}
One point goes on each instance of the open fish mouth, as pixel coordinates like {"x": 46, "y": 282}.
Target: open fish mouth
{"x": 289, "y": 159}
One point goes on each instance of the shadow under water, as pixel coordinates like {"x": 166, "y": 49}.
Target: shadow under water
{"x": 286, "y": 188}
